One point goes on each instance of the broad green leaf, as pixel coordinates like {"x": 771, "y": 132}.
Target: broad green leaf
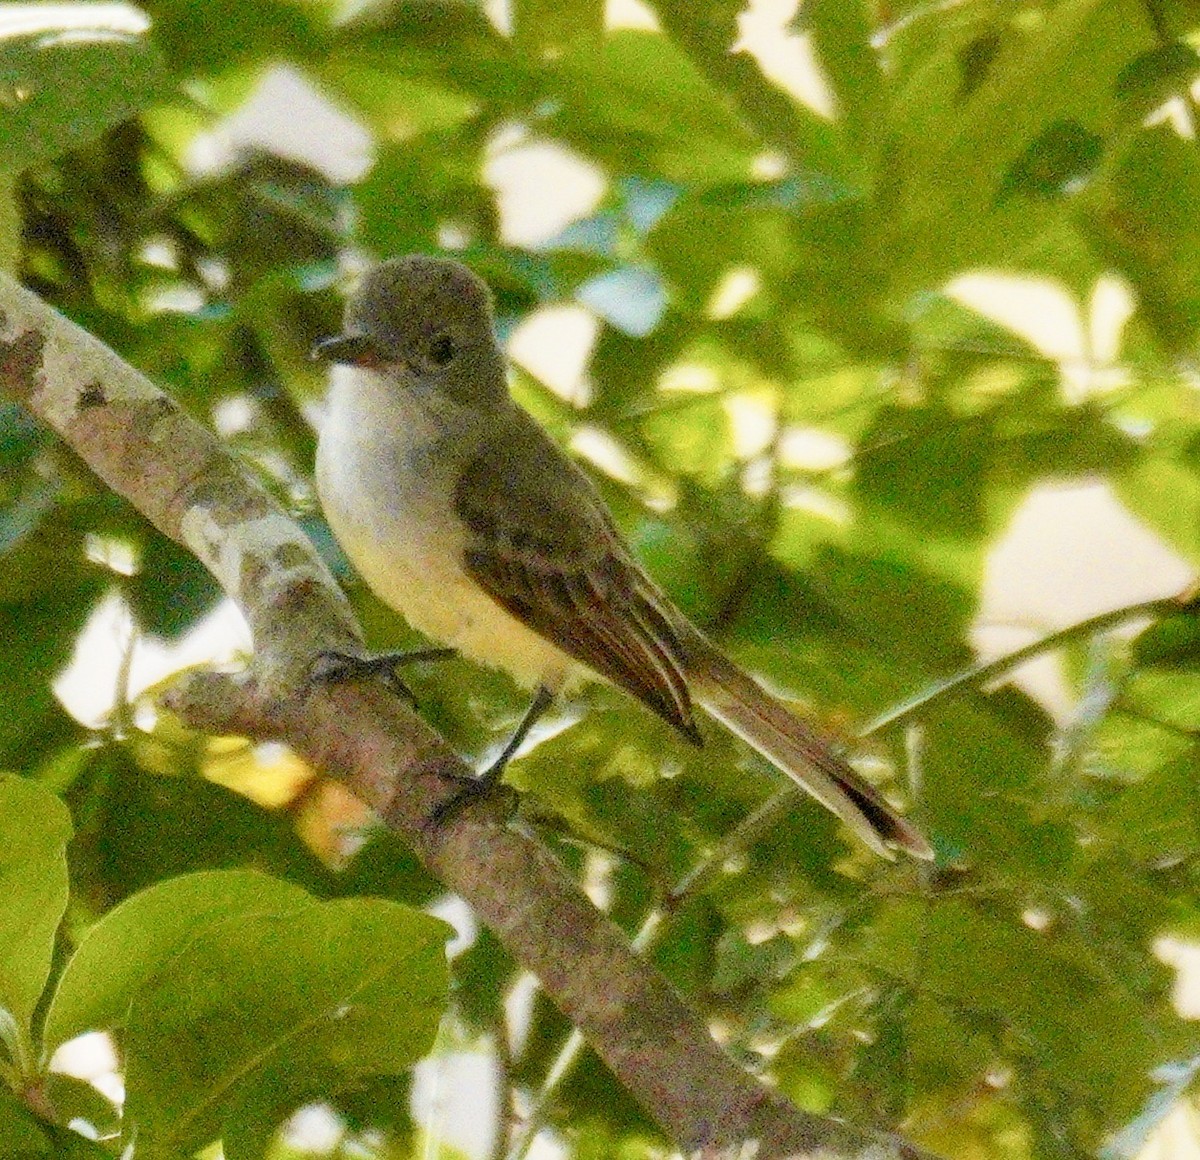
{"x": 10, "y": 226}
{"x": 35, "y": 828}
{"x": 67, "y": 73}
{"x": 944, "y": 1049}
{"x": 37, "y": 645}
{"x": 695, "y": 439}
{"x": 1035, "y": 80}
{"x": 47, "y": 590}
{"x": 1057, "y": 1002}
{"x": 258, "y": 1011}
{"x": 135, "y": 940}
{"x": 20, "y": 1131}
{"x": 1173, "y": 643}
{"x": 226, "y": 40}
{"x": 928, "y": 466}
{"x": 1157, "y": 75}
{"x": 412, "y": 106}
{"x": 1061, "y": 67}
{"x": 172, "y": 589}
{"x": 1059, "y": 159}
{"x": 639, "y": 96}
{"x": 545, "y": 28}
{"x": 1166, "y": 494}
{"x": 148, "y": 827}
{"x": 841, "y": 39}
{"x": 452, "y": 45}
{"x": 76, "y": 1101}
{"x": 1138, "y": 220}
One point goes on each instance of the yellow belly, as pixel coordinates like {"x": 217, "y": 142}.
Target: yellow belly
{"x": 390, "y": 505}
{"x": 446, "y": 605}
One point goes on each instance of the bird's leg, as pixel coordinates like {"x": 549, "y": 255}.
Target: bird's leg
{"x": 471, "y": 789}
{"x": 331, "y": 668}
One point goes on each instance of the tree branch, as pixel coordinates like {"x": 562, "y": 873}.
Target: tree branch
{"x": 975, "y": 676}
{"x": 176, "y": 473}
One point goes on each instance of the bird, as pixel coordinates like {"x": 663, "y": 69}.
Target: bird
{"x": 460, "y": 512}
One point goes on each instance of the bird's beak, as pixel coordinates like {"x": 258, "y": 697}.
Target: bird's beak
{"x": 352, "y": 349}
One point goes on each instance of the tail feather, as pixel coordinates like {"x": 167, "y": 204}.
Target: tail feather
{"x": 744, "y": 707}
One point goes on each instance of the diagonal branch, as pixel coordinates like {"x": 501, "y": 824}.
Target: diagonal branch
{"x": 975, "y": 676}
{"x": 177, "y": 474}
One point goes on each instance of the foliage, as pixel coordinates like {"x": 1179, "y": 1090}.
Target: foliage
{"x": 1008, "y": 1003}
{"x": 238, "y": 994}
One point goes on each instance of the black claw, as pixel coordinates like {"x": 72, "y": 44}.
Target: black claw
{"x": 488, "y": 782}
{"x": 470, "y": 791}
{"x": 332, "y": 667}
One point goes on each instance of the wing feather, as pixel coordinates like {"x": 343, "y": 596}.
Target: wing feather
{"x": 541, "y": 544}
{"x": 597, "y": 614}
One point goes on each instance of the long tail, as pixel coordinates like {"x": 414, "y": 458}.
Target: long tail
{"x": 743, "y": 706}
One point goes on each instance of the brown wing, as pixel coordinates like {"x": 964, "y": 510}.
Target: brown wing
{"x": 543, "y": 547}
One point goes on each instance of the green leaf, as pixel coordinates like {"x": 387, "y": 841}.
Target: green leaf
{"x": 1173, "y": 643}
{"x": 225, "y": 36}
{"x": 545, "y": 28}
{"x": 842, "y": 40}
{"x": 927, "y": 466}
{"x": 440, "y": 47}
{"x": 640, "y": 104}
{"x": 1043, "y": 996}
{"x": 259, "y": 1011}
{"x": 77, "y": 1100}
{"x": 1061, "y": 66}
{"x": 35, "y": 828}
{"x": 23, "y": 1137}
{"x": 1063, "y": 156}
{"x": 1166, "y": 494}
{"x": 172, "y": 590}
{"x": 47, "y": 590}
{"x": 67, "y": 73}
{"x": 1152, "y": 77}
{"x": 1154, "y": 819}
{"x": 975, "y": 60}
{"x": 134, "y": 940}
{"x": 37, "y": 645}
{"x": 10, "y": 226}
{"x": 149, "y": 827}
{"x": 1139, "y": 220}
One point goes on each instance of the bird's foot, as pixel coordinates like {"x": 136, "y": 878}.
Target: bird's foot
{"x": 488, "y": 782}
{"x": 471, "y": 790}
{"x": 331, "y": 668}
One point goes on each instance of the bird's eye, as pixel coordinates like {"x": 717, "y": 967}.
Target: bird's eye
{"x": 441, "y": 350}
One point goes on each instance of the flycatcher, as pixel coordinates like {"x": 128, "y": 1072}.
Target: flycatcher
{"x": 462, "y": 514}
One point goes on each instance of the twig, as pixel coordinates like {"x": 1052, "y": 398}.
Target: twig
{"x": 504, "y": 1086}
{"x": 974, "y": 676}
{"x": 543, "y": 1102}
{"x": 739, "y": 839}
